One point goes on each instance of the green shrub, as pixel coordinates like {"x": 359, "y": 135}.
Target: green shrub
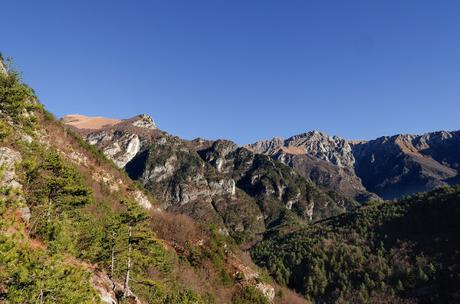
{"x": 5, "y": 129}
{"x": 17, "y": 99}
{"x": 33, "y": 274}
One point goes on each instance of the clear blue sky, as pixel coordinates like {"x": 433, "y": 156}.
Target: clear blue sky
{"x": 244, "y": 69}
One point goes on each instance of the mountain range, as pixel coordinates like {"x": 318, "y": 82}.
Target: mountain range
{"x": 388, "y": 167}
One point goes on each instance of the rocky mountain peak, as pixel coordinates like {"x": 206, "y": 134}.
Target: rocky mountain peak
{"x": 312, "y": 134}
{"x": 144, "y": 121}
{"x": 314, "y": 143}
{"x": 334, "y": 149}
{"x": 269, "y": 146}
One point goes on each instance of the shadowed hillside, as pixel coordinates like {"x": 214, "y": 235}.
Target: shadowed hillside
{"x": 400, "y": 252}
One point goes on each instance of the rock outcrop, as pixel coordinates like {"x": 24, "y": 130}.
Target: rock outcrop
{"x": 144, "y": 121}
{"x": 8, "y": 159}
{"x": 105, "y": 287}
{"x": 2, "y": 66}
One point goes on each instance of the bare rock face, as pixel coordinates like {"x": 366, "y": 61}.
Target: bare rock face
{"x": 25, "y": 214}
{"x": 105, "y": 287}
{"x": 317, "y": 144}
{"x": 326, "y": 174}
{"x": 247, "y": 276}
{"x": 267, "y": 290}
{"x": 108, "y": 290}
{"x": 123, "y": 150}
{"x": 144, "y": 121}
{"x": 178, "y": 175}
{"x": 268, "y": 147}
{"x": 8, "y": 159}
{"x": 142, "y": 199}
{"x": 322, "y": 146}
{"x": 225, "y": 186}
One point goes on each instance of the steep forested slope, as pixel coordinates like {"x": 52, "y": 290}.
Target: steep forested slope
{"x": 399, "y": 252}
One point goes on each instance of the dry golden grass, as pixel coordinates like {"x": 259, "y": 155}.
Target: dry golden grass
{"x": 89, "y": 122}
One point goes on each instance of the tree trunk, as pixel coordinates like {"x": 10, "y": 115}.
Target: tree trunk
{"x": 127, "y": 291}
{"x": 112, "y": 266}
{"x": 50, "y": 206}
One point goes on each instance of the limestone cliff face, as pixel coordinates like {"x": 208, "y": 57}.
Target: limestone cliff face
{"x": 390, "y": 166}
{"x": 317, "y": 144}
